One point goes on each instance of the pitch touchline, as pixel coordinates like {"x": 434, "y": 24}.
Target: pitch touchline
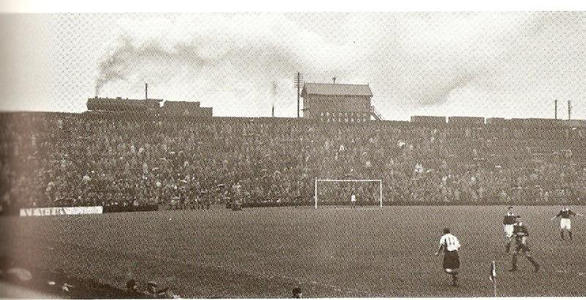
{"x": 220, "y": 267}
{"x": 265, "y": 275}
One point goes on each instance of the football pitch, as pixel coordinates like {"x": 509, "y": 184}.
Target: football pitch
{"x": 328, "y": 252}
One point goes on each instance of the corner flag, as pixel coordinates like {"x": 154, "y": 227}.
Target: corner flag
{"x": 492, "y": 276}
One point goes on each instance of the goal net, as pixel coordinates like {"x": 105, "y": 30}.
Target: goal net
{"x": 340, "y": 191}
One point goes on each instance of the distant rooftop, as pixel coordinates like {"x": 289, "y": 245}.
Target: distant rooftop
{"x": 335, "y": 89}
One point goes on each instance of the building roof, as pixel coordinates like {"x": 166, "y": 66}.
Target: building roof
{"x": 336, "y": 89}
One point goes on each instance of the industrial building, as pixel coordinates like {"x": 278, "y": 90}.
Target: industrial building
{"x": 344, "y": 103}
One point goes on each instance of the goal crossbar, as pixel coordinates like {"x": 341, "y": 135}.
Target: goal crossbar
{"x": 317, "y": 180}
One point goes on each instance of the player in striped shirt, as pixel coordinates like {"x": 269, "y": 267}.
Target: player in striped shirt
{"x": 520, "y": 233}
{"x": 508, "y": 225}
{"x": 450, "y": 244}
{"x": 565, "y": 221}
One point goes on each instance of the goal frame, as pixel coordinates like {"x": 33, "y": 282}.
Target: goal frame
{"x": 380, "y": 186}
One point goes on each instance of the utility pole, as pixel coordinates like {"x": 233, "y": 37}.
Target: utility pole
{"x": 274, "y": 95}
{"x": 569, "y": 110}
{"x": 298, "y": 82}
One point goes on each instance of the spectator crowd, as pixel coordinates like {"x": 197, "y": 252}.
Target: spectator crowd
{"x": 59, "y": 159}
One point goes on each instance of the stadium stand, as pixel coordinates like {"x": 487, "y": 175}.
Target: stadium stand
{"x": 139, "y": 159}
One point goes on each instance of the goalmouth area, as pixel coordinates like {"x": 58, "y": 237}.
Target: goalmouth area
{"x": 346, "y": 197}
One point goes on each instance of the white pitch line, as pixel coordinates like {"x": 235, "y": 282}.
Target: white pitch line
{"x": 229, "y": 269}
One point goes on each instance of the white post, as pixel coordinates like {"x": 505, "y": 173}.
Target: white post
{"x": 494, "y": 287}
{"x": 380, "y": 182}
{"x": 381, "y": 192}
{"x": 494, "y": 278}
{"x": 315, "y": 196}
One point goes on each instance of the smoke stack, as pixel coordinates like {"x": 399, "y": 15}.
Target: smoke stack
{"x": 273, "y": 111}
{"x": 146, "y": 91}
{"x": 555, "y": 109}
{"x": 569, "y": 110}
{"x": 334, "y": 79}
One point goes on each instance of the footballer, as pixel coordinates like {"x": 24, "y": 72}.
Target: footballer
{"x": 508, "y": 226}
{"x": 450, "y": 245}
{"x": 565, "y": 221}
{"x": 520, "y": 234}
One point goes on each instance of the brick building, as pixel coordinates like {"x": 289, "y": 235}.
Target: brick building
{"x": 345, "y": 103}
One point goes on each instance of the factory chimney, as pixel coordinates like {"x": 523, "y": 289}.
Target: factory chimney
{"x": 555, "y": 109}
{"x": 273, "y": 111}
{"x": 146, "y": 91}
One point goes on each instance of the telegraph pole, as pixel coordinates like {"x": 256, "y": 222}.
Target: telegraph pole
{"x": 569, "y": 110}
{"x": 298, "y": 82}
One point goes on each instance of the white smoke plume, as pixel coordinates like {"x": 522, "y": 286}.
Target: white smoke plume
{"x": 129, "y": 59}
{"x": 410, "y": 60}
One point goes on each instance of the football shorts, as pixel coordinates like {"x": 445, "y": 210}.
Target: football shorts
{"x": 508, "y": 230}
{"x": 451, "y": 260}
{"x": 566, "y": 224}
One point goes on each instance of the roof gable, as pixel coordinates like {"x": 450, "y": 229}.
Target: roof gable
{"x": 331, "y": 89}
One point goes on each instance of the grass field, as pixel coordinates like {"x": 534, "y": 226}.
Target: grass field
{"x": 328, "y": 252}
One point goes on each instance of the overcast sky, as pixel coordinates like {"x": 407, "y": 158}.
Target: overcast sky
{"x": 511, "y": 64}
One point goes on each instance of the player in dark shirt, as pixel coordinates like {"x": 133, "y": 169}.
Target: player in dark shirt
{"x": 508, "y": 224}
{"x": 520, "y": 234}
{"x": 565, "y": 221}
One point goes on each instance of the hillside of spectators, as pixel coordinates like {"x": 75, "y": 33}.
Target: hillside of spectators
{"x": 58, "y": 159}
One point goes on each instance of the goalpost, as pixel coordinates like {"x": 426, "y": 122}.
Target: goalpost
{"x": 379, "y": 181}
